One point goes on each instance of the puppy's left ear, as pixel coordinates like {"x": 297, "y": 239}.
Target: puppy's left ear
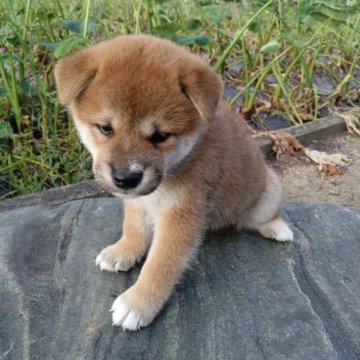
{"x": 204, "y": 88}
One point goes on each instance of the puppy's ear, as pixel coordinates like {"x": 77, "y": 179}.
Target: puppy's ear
{"x": 204, "y": 88}
{"x": 73, "y": 74}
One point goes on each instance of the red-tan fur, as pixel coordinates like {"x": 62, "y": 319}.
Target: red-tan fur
{"x": 213, "y": 174}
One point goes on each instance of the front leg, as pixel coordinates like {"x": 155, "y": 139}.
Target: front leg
{"x": 136, "y": 238}
{"x": 177, "y": 233}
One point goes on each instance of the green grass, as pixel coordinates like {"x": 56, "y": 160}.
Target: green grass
{"x": 286, "y": 41}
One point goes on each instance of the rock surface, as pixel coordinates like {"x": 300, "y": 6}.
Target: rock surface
{"x": 244, "y": 297}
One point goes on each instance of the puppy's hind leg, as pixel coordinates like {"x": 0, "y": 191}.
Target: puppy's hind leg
{"x": 264, "y": 216}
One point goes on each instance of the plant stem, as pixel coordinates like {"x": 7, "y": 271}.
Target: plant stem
{"x": 259, "y": 74}
{"x": 220, "y": 63}
{"x": 86, "y": 20}
{"x": 291, "y": 104}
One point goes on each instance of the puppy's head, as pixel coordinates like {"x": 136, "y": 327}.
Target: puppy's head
{"x": 140, "y": 105}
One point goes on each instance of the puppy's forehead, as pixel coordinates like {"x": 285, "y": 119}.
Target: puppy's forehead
{"x": 134, "y": 90}
{"x": 137, "y": 81}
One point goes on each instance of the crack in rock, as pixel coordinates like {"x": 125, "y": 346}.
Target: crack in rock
{"x": 337, "y": 335}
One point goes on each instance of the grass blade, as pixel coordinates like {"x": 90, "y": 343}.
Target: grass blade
{"x": 86, "y": 20}
{"x": 220, "y": 63}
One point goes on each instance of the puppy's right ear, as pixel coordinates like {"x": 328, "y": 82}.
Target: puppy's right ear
{"x": 73, "y": 74}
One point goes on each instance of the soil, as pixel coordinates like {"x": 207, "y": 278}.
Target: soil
{"x": 303, "y": 182}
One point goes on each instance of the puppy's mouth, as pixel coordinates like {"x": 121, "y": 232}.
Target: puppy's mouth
{"x": 151, "y": 187}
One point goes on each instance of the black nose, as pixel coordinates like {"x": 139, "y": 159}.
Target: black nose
{"x": 127, "y": 179}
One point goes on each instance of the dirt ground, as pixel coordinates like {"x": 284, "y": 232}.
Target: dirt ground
{"x": 303, "y": 182}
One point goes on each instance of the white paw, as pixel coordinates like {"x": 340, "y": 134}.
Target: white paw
{"x": 109, "y": 259}
{"x": 126, "y": 317}
{"x": 276, "y": 229}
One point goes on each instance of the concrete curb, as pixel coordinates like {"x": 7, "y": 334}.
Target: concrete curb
{"x": 314, "y": 130}
{"x": 306, "y": 133}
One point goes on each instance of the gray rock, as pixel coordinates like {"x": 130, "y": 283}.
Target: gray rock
{"x": 244, "y": 297}
{"x": 230, "y": 92}
{"x": 82, "y": 190}
{"x": 236, "y": 68}
{"x": 323, "y": 83}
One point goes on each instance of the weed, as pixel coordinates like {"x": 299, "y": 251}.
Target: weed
{"x": 282, "y": 46}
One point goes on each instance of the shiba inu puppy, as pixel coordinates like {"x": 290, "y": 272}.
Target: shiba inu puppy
{"x": 151, "y": 115}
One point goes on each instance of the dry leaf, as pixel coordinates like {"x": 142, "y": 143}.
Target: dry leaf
{"x": 322, "y": 158}
{"x": 352, "y": 120}
{"x": 329, "y": 164}
{"x": 285, "y": 143}
{"x": 331, "y": 170}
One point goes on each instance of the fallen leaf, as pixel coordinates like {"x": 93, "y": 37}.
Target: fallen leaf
{"x": 322, "y": 158}
{"x": 352, "y": 120}
{"x": 328, "y": 164}
{"x": 331, "y": 170}
{"x": 285, "y": 143}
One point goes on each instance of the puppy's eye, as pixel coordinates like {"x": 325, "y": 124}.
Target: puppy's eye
{"x": 105, "y": 129}
{"x": 159, "y": 137}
